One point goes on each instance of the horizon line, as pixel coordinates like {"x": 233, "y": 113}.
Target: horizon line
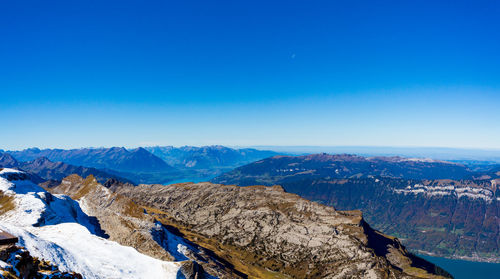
{"x": 264, "y": 146}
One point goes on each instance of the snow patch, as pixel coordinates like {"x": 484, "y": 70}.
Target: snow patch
{"x": 449, "y": 190}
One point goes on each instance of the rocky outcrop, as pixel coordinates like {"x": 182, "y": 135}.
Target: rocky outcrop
{"x": 264, "y": 232}
{"x": 128, "y": 224}
{"x": 16, "y": 262}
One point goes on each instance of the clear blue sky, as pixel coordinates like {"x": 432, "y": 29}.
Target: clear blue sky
{"x": 130, "y": 73}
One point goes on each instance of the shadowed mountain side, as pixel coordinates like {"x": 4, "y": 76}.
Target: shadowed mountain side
{"x": 274, "y": 169}
{"x": 45, "y": 169}
{"x": 115, "y": 158}
{"x": 8, "y": 161}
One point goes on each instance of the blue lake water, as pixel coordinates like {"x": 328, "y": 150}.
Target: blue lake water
{"x": 465, "y": 269}
{"x": 192, "y": 179}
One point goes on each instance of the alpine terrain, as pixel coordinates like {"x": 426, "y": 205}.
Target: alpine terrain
{"x": 435, "y": 207}
{"x": 201, "y": 230}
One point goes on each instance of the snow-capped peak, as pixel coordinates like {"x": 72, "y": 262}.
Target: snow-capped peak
{"x": 54, "y": 228}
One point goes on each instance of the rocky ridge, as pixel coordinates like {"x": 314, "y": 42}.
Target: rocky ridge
{"x": 265, "y": 232}
{"x": 56, "y": 228}
{"x": 125, "y": 222}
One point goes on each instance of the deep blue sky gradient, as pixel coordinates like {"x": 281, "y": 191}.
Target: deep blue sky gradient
{"x": 389, "y": 73}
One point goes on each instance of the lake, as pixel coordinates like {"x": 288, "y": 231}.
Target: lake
{"x": 465, "y": 269}
{"x": 191, "y": 179}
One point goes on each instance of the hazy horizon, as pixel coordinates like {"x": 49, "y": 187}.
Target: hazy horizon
{"x": 257, "y": 146}
{"x": 439, "y": 153}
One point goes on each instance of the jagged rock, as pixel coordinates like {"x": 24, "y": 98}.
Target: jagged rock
{"x": 192, "y": 270}
{"x": 16, "y": 262}
{"x": 113, "y": 184}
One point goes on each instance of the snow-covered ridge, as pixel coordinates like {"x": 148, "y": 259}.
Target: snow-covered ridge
{"x": 8, "y": 170}
{"x": 54, "y": 228}
{"x": 449, "y": 190}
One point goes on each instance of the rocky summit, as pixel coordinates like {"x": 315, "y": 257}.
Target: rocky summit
{"x": 264, "y": 232}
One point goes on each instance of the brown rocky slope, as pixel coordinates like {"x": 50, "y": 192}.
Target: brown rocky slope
{"x": 125, "y": 222}
{"x": 245, "y": 232}
{"x": 266, "y": 232}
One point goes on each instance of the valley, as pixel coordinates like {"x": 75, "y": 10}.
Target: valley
{"x": 160, "y": 164}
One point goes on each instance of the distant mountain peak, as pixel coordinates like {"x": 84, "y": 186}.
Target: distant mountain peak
{"x": 141, "y": 150}
{"x": 7, "y": 160}
{"x": 116, "y": 148}
{"x": 213, "y": 157}
{"x": 41, "y": 160}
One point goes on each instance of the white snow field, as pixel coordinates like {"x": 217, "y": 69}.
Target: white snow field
{"x": 54, "y": 228}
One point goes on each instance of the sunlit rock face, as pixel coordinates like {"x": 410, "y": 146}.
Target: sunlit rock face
{"x": 268, "y": 232}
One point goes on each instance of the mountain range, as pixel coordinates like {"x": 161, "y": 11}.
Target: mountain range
{"x": 45, "y": 170}
{"x": 435, "y": 207}
{"x": 115, "y": 158}
{"x": 146, "y": 165}
{"x": 201, "y": 230}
